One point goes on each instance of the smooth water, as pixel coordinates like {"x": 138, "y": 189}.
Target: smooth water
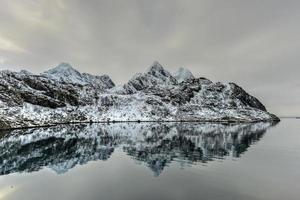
{"x": 152, "y": 161}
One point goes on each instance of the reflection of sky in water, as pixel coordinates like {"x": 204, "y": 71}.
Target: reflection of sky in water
{"x": 155, "y": 145}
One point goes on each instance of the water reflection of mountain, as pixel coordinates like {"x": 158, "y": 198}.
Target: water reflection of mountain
{"x": 156, "y": 145}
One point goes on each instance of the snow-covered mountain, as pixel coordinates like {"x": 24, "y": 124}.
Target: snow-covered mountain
{"x": 64, "y": 95}
{"x": 183, "y": 74}
{"x": 155, "y": 145}
{"x": 65, "y": 73}
{"x": 155, "y": 75}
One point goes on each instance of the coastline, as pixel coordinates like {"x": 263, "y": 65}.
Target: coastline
{"x": 141, "y": 121}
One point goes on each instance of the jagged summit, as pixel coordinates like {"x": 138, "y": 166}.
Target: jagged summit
{"x": 155, "y": 67}
{"x": 154, "y": 75}
{"x": 157, "y": 70}
{"x": 66, "y": 73}
{"x": 183, "y": 74}
{"x": 62, "y": 66}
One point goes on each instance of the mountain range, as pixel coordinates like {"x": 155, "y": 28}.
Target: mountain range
{"x": 64, "y": 95}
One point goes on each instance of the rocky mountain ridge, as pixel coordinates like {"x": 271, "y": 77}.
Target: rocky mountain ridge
{"x": 64, "y": 95}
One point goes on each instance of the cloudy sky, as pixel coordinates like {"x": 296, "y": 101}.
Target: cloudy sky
{"x": 253, "y": 43}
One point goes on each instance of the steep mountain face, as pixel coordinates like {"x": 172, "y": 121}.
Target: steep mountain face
{"x": 58, "y": 87}
{"x": 155, "y": 75}
{"x": 64, "y": 72}
{"x": 63, "y": 95}
{"x": 19, "y": 88}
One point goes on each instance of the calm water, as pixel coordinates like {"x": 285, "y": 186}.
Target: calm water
{"x": 152, "y": 161}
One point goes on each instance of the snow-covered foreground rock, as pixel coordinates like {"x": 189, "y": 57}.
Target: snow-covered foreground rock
{"x": 155, "y": 145}
{"x": 64, "y": 95}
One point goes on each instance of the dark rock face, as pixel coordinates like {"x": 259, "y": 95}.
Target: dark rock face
{"x": 17, "y": 88}
{"x": 35, "y": 90}
{"x": 244, "y": 97}
{"x": 156, "y": 75}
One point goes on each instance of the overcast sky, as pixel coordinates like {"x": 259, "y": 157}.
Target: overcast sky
{"x": 254, "y": 43}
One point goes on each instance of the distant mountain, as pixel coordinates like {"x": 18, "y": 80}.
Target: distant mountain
{"x": 65, "y": 73}
{"x": 155, "y": 75}
{"x": 183, "y": 74}
{"x": 64, "y": 95}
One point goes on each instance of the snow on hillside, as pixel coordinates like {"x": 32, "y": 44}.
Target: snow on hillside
{"x": 64, "y": 72}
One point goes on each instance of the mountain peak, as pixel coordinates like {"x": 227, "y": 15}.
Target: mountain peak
{"x": 183, "y": 74}
{"x": 156, "y": 66}
{"x": 64, "y": 65}
{"x": 61, "y": 67}
{"x": 155, "y": 75}
{"x": 157, "y": 70}
{"x": 64, "y": 72}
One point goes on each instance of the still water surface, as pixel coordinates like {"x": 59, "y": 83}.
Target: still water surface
{"x": 152, "y": 161}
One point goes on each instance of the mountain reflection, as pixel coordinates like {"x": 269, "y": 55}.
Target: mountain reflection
{"x": 153, "y": 144}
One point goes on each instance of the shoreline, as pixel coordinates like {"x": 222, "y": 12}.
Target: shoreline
{"x": 142, "y": 121}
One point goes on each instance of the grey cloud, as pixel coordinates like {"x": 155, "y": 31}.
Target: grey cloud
{"x": 254, "y": 43}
